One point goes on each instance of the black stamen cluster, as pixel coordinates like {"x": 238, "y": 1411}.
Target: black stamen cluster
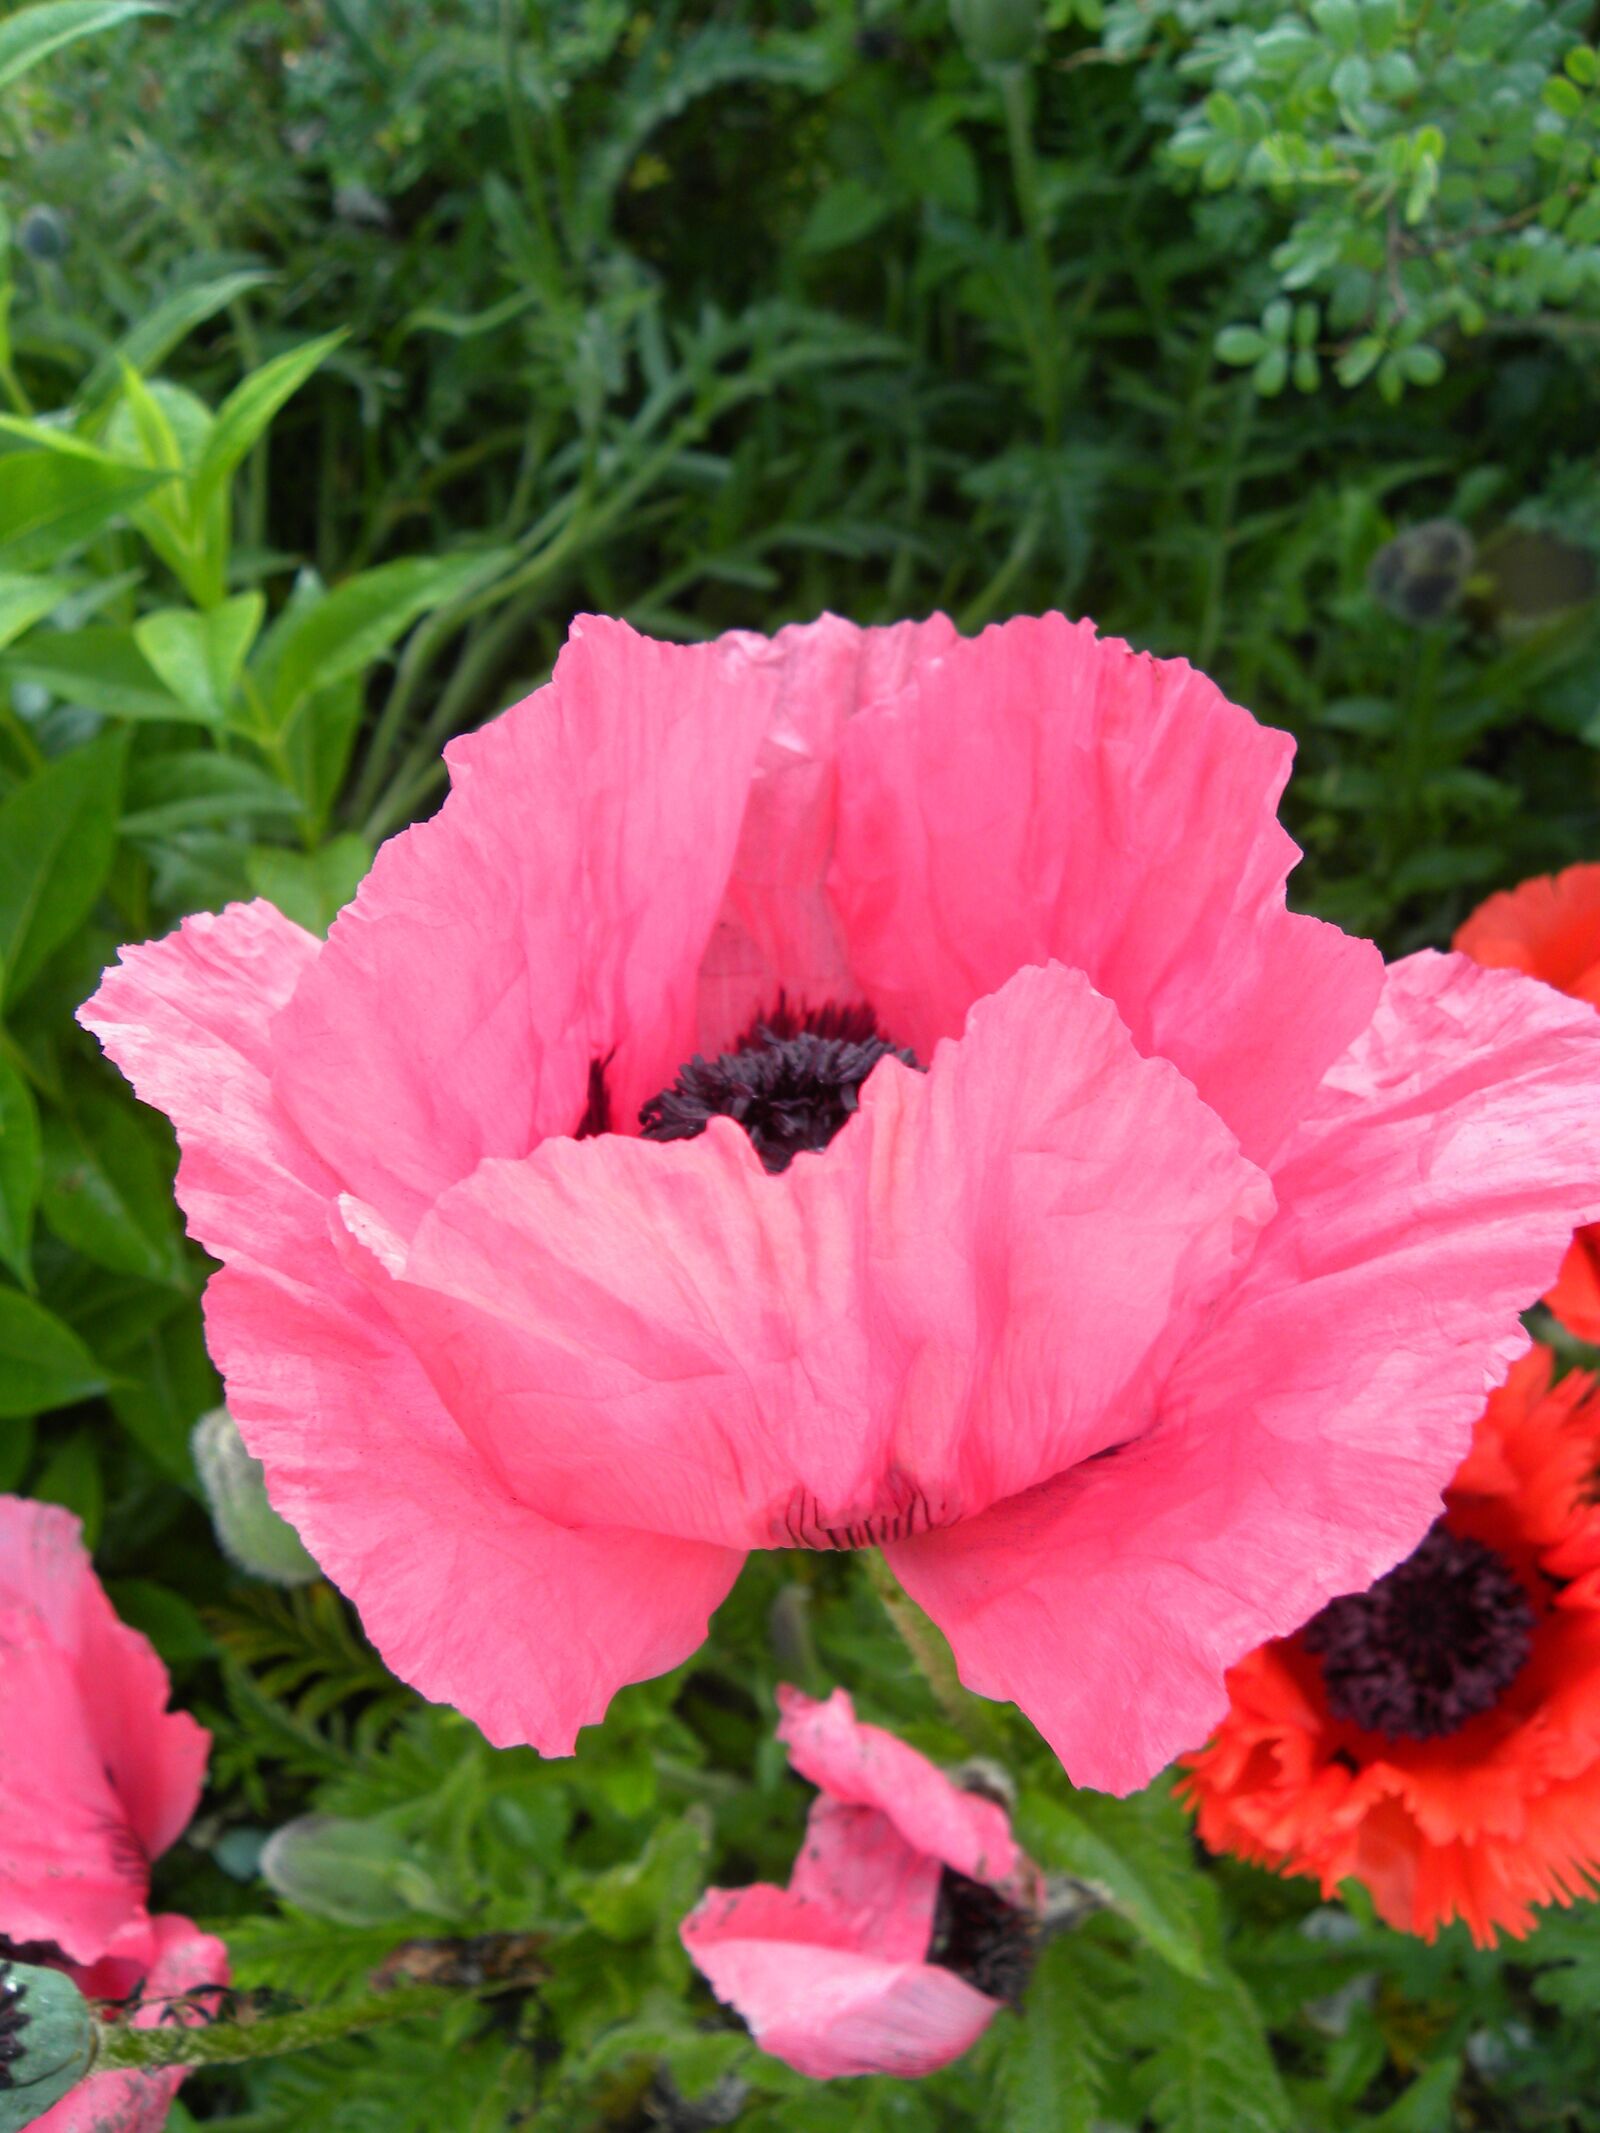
{"x": 14, "y": 2019}
{"x": 982, "y": 1938}
{"x": 792, "y": 1081}
{"x": 1435, "y": 1642}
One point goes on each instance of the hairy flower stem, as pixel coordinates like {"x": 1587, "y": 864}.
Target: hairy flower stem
{"x": 225, "y": 2043}
{"x": 930, "y": 1654}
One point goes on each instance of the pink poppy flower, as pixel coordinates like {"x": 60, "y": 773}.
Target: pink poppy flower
{"x": 908, "y": 1920}
{"x": 1150, "y": 1308}
{"x": 108, "y": 1779}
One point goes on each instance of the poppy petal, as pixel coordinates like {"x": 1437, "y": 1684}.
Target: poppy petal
{"x": 550, "y": 919}
{"x": 1426, "y": 1197}
{"x": 1037, "y": 792}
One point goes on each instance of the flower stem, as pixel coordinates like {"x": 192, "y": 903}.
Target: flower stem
{"x": 226, "y": 2043}
{"x": 932, "y": 1657}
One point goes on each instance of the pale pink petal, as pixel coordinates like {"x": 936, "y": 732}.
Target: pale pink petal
{"x": 858, "y": 1866}
{"x": 101, "y": 1777}
{"x": 777, "y": 933}
{"x": 176, "y": 1957}
{"x": 549, "y": 919}
{"x": 1304, "y": 1440}
{"x": 875, "y": 1339}
{"x": 825, "y": 2006}
{"x": 870, "y": 1768}
{"x": 474, "y": 1598}
{"x": 1036, "y": 793}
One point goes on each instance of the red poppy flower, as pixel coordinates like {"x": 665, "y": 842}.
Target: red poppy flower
{"x": 1438, "y": 1737}
{"x": 1549, "y": 927}
{"x": 908, "y": 1920}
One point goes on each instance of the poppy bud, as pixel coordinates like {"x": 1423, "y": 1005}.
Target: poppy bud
{"x": 250, "y": 1532}
{"x": 46, "y": 2042}
{"x": 1422, "y": 573}
{"x": 43, "y": 235}
{"x": 996, "y": 33}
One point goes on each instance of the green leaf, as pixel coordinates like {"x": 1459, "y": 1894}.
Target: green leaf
{"x": 1133, "y": 1876}
{"x": 1359, "y": 360}
{"x": 21, "y": 1168}
{"x": 57, "y": 838}
{"x": 194, "y": 788}
{"x": 1055, "y": 2070}
{"x": 1212, "y": 2068}
{"x": 844, "y": 214}
{"x": 1421, "y": 364}
{"x": 1240, "y": 344}
{"x": 33, "y": 33}
{"x": 167, "y": 1384}
{"x": 310, "y": 887}
{"x": 25, "y": 599}
{"x": 1563, "y": 97}
{"x": 1271, "y": 374}
{"x": 53, "y": 499}
{"x": 71, "y": 1476}
{"x": 43, "y": 1364}
{"x": 147, "y": 343}
{"x": 1583, "y": 65}
{"x": 168, "y": 1620}
{"x": 250, "y": 407}
{"x": 201, "y": 654}
{"x": 108, "y": 1187}
{"x": 17, "y": 1441}
{"x": 322, "y": 637}
{"x": 101, "y": 668}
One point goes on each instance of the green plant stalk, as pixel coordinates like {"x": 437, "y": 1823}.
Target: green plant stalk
{"x": 1045, "y": 337}
{"x": 930, "y": 1654}
{"x": 119, "y": 2047}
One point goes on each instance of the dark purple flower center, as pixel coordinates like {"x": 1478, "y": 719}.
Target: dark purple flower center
{"x": 1438, "y": 1640}
{"x": 791, "y": 1081}
{"x": 14, "y": 2019}
{"x": 981, "y": 1937}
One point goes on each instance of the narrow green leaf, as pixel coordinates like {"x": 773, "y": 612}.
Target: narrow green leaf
{"x": 108, "y": 1187}
{"x": 200, "y": 654}
{"x": 26, "y": 598}
{"x": 250, "y": 407}
{"x": 20, "y": 1168}
{"x": 35, "y": 32}
{"x": 1055, "y": 2070}
{"x": 319, "y": 640}
{"x": 101, "y": 668}
{"x": 195, "y": 788}
{"x": 71, "y": 1477}
{"x": 57, "y": 837}
{"x": 43, "y": 1364}
{"x": 53, "y": 499}
{"x": 147, "y": 343}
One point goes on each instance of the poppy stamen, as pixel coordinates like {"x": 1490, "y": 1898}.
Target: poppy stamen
{"x": 982, "y": 1938}
{"x": 792, "y": 1081}
{"x": 1434, "y": 1643}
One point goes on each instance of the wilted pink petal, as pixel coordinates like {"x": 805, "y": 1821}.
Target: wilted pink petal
{"x": 839, "y": 1973}
{"x": 1124, "y": 1296}
{"x": 99, "y": 1776}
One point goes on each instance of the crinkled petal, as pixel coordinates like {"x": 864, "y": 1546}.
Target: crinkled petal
{"x": 857, "y": 1870}
{"x": 1037, "y": 793}
{"x": 179, "y": 1957}
{"x": 550, "y": 918}
{"x": 870, "y": 1768}
{"x": 825, "y": 2008}
{"x": 471, "y": 1596}
{"x": 929, "y": 1314}
{"x": 101, "y": 1776}
{"x": 1305, "y": 1437}
{"x": 777, "y": 933}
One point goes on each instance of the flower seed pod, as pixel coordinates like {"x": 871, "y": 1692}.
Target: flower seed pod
{"x": 46, "y": 2042}
{"x": 251, "y": 1533}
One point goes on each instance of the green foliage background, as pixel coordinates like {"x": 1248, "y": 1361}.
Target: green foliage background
{"x": 349, "y": 347}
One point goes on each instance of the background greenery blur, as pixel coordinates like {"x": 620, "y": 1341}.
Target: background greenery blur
{"x": 348, "y": 347}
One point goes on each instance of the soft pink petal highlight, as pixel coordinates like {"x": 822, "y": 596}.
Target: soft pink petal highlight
{"x": 1426, "y": 1198}
{"x": 1036, "y": 793}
